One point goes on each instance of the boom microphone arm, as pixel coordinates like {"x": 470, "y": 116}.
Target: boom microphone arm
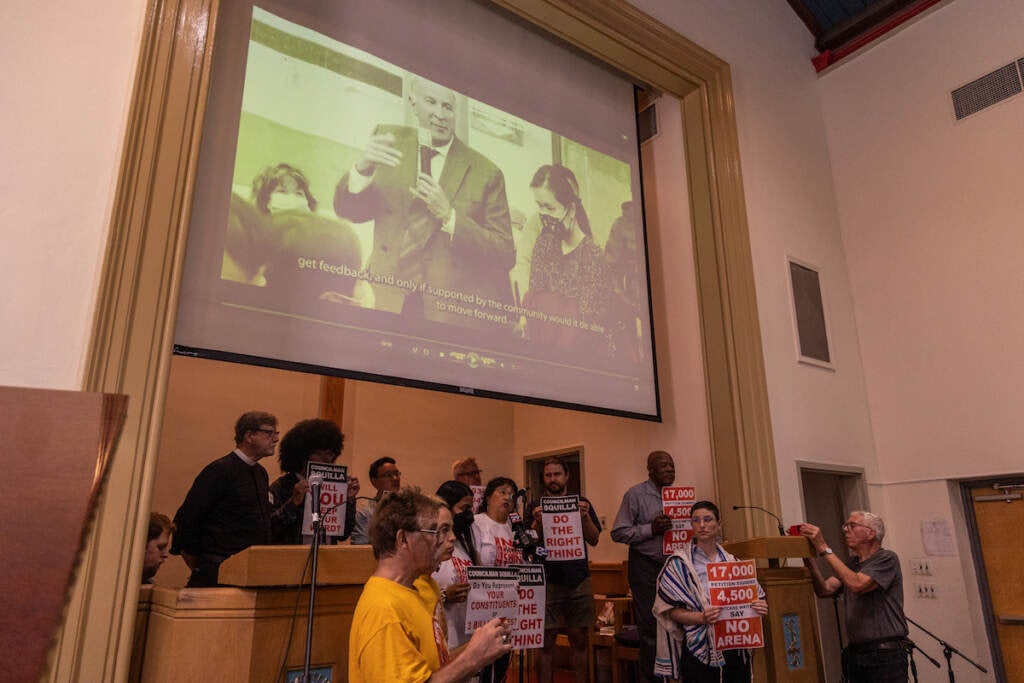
{"x": 782, "y": 530}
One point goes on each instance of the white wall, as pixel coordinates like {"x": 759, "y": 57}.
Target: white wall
{"x": 931, "y": 216}
{"x": 68, "y": 74}
{"x": 817, "y": 415}
{"x": 931, "y": 211}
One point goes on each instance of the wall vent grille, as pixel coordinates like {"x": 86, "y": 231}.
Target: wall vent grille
{"x": 992, "y": 88}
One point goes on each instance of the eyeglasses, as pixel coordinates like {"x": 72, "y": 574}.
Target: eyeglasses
{"x": 440, "y": 533}
{"x": 707, "y": 520}
{"x": 850, "y": 526}
{"x": 269, "y": 432}
{"x": 470, "y": 473}
{"x": 389, "y": 475}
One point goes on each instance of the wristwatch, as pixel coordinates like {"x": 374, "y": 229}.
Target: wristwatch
{"x": 825, "y": 551}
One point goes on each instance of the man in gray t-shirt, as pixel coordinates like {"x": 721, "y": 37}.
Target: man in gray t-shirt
{"x": 872, "y": 584}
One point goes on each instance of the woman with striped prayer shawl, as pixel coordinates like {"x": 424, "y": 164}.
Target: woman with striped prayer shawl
{"x": 684, "y": 613}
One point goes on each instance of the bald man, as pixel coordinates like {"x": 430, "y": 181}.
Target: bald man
{"x": 641, "y": 523}
{"x": 440, "y": 210}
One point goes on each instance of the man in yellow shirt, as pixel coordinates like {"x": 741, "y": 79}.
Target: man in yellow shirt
{"x": 396, "y": 630}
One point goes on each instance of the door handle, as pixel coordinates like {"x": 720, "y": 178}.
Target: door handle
{"x": 1013, "y": 619}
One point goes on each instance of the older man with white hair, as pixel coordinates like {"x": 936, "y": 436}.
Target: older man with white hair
{"x": 872, "y": 585}
{"x": 440, "y": 212}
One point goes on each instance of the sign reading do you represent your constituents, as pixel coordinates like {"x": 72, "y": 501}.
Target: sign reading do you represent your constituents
{"x": 493, "y": 592}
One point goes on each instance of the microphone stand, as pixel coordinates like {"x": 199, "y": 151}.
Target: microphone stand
{"x": 778, "y": 521}
{"x": 911, "y": 646}
{"x": 520, "y": 501}
{"x": 948, "y": 651}
{"x": 314, "y": 549}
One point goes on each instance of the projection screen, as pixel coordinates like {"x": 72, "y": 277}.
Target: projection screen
{"x": 421, "y": 193}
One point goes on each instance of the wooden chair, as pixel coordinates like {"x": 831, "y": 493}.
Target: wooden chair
{"x": 617, "y": 652}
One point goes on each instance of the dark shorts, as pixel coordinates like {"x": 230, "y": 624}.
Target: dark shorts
{"x": 570, "y": 606}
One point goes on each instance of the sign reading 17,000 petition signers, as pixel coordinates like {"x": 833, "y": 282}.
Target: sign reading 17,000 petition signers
{"x": 733, "y": 587}
{"x": 676, "y": 502}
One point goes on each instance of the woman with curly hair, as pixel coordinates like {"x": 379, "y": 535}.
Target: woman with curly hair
{"x": 308, "y": 441}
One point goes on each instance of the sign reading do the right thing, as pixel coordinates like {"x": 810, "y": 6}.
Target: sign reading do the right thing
{"x": 563, "y": 528}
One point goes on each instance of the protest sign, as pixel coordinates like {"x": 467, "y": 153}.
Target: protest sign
{"x": 733, "y": 587}
{"x": 563, "y": 528}
{"x": 493, "y": 592}
{"x": 676, "y": 502}
{"x": 333, "y": 496}
{"x": 528, "y": 633}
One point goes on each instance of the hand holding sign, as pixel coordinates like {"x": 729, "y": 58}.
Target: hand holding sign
{"x": 563, "y": 528}
{"x": 733, "y": 588}
{"x": 676, "y": 502}
{"x": 333, "y": 496}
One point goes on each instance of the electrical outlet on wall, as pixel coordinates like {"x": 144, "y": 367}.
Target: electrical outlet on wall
{"x": 925, "y": 590}
{"x": 921, "y": 566}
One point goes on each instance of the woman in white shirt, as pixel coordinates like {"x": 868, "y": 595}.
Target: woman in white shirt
{"x": 451, "y": 575}
{"x": 492, "y": 534}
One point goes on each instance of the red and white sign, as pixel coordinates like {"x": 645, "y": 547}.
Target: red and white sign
{"x": 676, "y": 502}
{"x": 563, "y": 528}
{"x": 333, "y": 496}
{"x": 528, "y": 633}
{"x": 733, "y": 587}
{"x": 493, "y": 592}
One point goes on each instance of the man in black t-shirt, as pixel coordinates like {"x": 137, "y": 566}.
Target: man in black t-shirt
{"x": 872, "y": 584}
{"x": 569, "y": 597}
{"x": 229, "y": 506}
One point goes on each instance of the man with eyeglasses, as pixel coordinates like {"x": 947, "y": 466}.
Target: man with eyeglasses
{"x": 468, "y": 472}
{"x": 386, "y": 478}
{"x": 872, "y": 585}
{"x": 229, "y": 506}
{"x": 398, "y": 631}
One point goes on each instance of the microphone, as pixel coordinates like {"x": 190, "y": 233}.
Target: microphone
{"x": 315, "y": 482}
{"x": 782, "y": 530}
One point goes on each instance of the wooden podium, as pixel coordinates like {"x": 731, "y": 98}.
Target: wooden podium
{"x": 792, "y": 651}
{"x": 249, "y": 632}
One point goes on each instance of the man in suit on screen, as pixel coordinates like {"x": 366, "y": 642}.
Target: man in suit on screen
{"x": 442, "y": 236}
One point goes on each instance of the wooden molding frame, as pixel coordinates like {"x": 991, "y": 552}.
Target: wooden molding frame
{"x": 132, "y": 336}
